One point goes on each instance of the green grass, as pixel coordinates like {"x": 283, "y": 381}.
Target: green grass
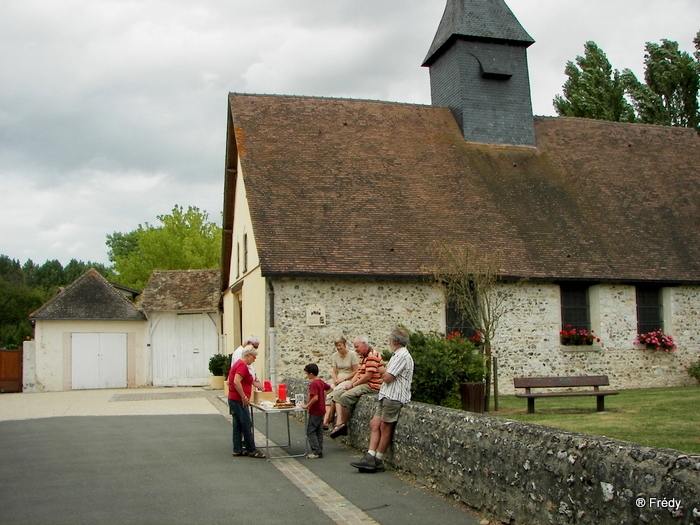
{"x": 655, "y": 417}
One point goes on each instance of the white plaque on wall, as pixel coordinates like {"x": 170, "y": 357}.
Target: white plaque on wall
{"x": 315, "y": 315}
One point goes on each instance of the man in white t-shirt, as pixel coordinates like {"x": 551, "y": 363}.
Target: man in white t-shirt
{"x": 238, "y": 353}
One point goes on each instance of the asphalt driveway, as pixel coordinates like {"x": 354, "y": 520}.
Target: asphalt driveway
{"x": 139, "y": 466}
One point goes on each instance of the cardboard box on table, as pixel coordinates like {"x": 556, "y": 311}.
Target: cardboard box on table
{"x": 263, "y": 396}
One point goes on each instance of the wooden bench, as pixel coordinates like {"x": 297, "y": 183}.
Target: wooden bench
{"x": 596, "y": 382}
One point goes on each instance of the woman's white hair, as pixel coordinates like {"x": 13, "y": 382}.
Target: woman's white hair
{"x": 249, "y": 350}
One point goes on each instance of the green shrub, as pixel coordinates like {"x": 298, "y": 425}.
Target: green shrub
{"x": 693, "y": 370}
{"x": 441, "y": 364}
{"x": 217, "y": 362}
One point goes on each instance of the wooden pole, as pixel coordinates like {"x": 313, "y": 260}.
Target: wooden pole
{"x": 495, "y": 383}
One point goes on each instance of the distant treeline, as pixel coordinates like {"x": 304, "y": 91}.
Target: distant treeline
{"x": 25, "y": 287}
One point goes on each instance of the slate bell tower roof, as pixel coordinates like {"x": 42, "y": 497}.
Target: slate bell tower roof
{"x": 478, "y": 20}
{"x": 478, "y": 68}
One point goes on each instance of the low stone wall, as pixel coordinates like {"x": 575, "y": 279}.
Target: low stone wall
{"x": 529, "y": 474}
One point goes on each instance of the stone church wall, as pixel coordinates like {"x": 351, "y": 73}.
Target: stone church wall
{"x": 527, "y": 340}
{"x": 352, "y": 308}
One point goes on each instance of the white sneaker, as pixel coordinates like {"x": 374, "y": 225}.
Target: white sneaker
{"x": 314, "y": 456}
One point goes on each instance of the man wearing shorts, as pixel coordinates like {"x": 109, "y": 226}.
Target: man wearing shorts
{"x": 367, "y": 380}
{"x": 394, "y": 393}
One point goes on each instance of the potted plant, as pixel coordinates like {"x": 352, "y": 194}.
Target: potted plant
{"x": 469, "y": 371}
{"x": 441, "y": 365}
{"x": 658, "y": 341}
{"x": 216, "y": 367}
{"x": 226, "y": 369}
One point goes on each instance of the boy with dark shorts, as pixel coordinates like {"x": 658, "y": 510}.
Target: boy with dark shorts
{"x": 316, "y": 407}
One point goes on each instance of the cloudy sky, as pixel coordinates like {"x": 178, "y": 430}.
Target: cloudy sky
{"x": 113, "y": 111}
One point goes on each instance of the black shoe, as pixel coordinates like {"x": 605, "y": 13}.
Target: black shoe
{"x": 379, "y": 465}
{"x": 366, "y": 463}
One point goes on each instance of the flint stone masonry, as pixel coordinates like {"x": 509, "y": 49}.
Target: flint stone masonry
{"x": 353, "y": 308}
{"x": 527, "y": 340}
{"x": 529, "y": 474}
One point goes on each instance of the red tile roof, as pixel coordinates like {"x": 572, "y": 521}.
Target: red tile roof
{"x": 353, "y": 187}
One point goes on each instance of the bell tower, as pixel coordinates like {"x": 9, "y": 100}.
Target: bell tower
{"x": 478, "y": 68}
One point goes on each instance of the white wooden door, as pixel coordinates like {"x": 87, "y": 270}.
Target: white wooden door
{"x": 98, "y": 360}
{"x": 182, "y": 345}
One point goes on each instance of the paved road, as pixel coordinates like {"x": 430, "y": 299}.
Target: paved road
{"x": 163, "y": 456}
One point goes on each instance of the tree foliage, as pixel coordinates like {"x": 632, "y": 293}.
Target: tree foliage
{"x": 24, "y": 288}
{"x": 594, "y": 89}
{"x": 668, "y": 95}
{"x": 184, "y": 240}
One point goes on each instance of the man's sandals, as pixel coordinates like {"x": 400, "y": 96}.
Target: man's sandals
{"x": 340, "y": 430}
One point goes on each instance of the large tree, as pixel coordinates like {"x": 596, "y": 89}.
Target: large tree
{"x": 594, "y": 89}
{"x": 670, "y": 95}
{"x": 184, "y": 240}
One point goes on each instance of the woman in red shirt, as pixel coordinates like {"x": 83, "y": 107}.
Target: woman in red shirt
{"x": 240, "y": 388}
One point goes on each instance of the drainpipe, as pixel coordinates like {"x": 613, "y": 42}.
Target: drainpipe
{"x": 271, "y": 334}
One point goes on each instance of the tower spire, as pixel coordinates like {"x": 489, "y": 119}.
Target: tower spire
{"x": 478, "y": 68}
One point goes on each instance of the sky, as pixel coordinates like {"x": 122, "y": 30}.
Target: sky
{"x": 114, "y": 111}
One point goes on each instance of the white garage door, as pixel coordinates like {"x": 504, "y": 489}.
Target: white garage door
{"x": 182, "y": 345}
{"x": 98, "y": 361}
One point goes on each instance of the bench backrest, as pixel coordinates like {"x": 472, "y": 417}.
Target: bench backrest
{"x": 551, "y": 382}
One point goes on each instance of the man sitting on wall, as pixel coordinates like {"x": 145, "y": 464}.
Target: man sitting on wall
{"x": 367, "y": 380}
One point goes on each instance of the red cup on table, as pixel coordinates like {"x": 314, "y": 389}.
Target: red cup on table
{"x": 282, "y": 392}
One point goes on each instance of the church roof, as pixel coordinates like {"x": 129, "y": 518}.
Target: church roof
{"x": 362, "y": 188}
{"x": 483, "y": 20}
{"x": 89, "y": 298}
